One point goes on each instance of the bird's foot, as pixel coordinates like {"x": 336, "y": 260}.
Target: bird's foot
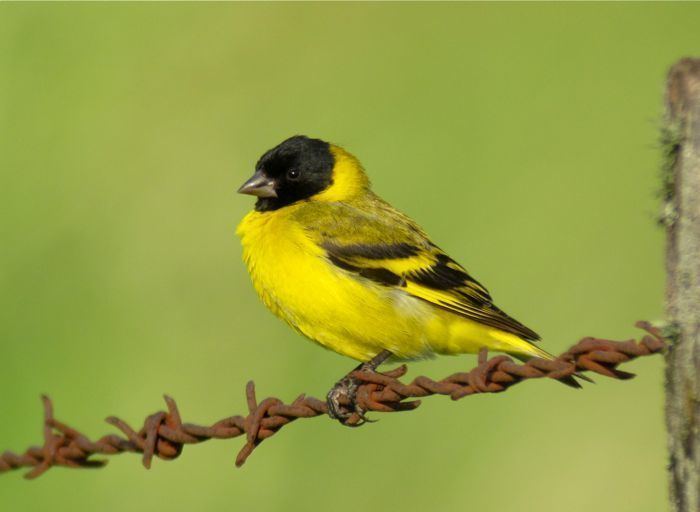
{"x": 342, "y": 404}
{"x": 342, "y": 398}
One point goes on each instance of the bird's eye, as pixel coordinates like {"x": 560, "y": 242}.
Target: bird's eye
{"x": 293, "y": 174}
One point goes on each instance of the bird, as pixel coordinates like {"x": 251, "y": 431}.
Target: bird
{"x": 352, "y": 273}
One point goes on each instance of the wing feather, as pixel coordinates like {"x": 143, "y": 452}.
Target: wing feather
{"x": 390, "y": 249}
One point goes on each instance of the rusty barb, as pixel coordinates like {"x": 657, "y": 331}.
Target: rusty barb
{"x": 163, "y": 434}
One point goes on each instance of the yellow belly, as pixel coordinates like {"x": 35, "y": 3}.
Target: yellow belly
{"x": 352, "y": 316}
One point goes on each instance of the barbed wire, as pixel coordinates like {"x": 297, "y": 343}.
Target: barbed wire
{"x": 164, "y": 435}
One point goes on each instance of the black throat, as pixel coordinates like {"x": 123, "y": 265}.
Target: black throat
{"x": 300, "y": 167}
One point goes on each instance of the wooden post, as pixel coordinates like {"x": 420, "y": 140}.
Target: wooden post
{"x": 682, "y": 218}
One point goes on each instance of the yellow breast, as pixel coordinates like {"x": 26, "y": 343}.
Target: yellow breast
{"x": 351, "y": 316}
{"x": 280, "y": 258}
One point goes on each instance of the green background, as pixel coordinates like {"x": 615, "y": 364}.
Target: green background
{"x": 524, "y": 138}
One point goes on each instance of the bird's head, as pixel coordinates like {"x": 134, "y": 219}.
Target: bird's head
{"x": 301, "y": 169}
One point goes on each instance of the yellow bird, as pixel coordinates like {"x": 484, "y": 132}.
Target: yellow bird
{"x": 350, "y": 272}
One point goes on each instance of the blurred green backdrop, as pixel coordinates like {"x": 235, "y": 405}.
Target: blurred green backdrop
{"x": 124, "y": 133}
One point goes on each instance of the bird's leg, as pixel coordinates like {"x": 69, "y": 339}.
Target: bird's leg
{"x": 347, "y": 387}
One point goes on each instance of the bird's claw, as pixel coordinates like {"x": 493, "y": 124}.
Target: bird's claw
{"x": 342, "y": 398}
{"x": 345, "y": 392}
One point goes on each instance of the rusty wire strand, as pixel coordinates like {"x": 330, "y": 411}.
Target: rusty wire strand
{"x": 163, "y": 434}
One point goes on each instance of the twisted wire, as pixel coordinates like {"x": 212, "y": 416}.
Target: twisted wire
{"x": 164, "y": 435}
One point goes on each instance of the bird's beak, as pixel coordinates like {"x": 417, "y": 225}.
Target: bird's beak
{"x": 259, "y": 185}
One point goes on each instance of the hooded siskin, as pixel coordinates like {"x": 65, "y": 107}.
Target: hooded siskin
{"x": 350, "y": 272}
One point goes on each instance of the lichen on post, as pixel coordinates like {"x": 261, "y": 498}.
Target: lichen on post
{"x": 682, "y": 219}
